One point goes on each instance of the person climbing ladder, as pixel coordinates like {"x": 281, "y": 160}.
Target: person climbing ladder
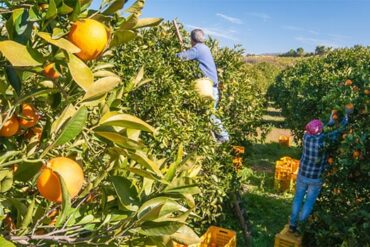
{"x": 312, "y": 165}
{"x": 201, "y": 53}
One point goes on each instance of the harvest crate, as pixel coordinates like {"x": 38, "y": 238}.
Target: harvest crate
{"x": 215, "y": 237}
{"x": 287, "y": 239}
{"x": 286, "y": 170}
{"x": 284, "y": 140}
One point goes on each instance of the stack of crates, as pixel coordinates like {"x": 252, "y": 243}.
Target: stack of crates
{"x": 287, "y": 239}
{"x": 214, "y": 237}
{"x": 286, "y": 170}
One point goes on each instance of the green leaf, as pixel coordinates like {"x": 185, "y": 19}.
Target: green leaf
{"x": 80, "y": 72}
{"x": 6, "y": 243}
{"x": 28, "y": 217}
{"x": 26, "y": 171}
{"x": 85, "y": 4}
{"x": 65, "y": 9}
{"x": 182, "y": 185}
{"x": 185, "y": 235}
{"x": 76, "y": 12}
{"x": 66, "y": 202}
{"x": 52, "y": 10}
{"x": 159, "y": 228}
{"x": 125, "y": 120}
{"x": 144, "y": 174}
{"x": 67, "y": 113}
{"x": 130, "y": 22}
{"x": 114, "y": 6}
{"x": 61, "y": 42}
{"x": 126, "y": 192}
{"x": 13, "y": 79}
{"x": 119, "y": 139}
{"x": 173, "y": 167}
{"x": 17, "y": 54}
{"x": 148, "y": 22}
{"x": 121, "y": 37}
{"x": 19, "y": 26}
{"x": 143, "y": 160}
{"x": 169, "y": 206}
{"x": 104, "y": 73}
{"x": 101, "y": 87}
{"x": 136, "y": 7}
{"x": 73, "y": 127}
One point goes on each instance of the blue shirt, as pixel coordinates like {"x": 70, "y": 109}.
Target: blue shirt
{"x": 201, "y": 53}
{"x": 314, "y": 159}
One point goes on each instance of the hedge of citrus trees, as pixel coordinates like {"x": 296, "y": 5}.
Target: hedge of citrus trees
{"x": 313, "y": 89}
{"x": 73, "y": 166}
{"x": 169, "y": 103}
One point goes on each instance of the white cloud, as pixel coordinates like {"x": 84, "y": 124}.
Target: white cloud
{"x": 263, "y": 16}
{"x": 217, "y": 32}
{"x": 233, "y": 20}
{"x": 292, "y": 28}
{"x": 314, "y": 41}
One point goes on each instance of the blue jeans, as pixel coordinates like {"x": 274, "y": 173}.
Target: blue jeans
{"x": 305, "y": 187}
{"x": 220, "y": 132}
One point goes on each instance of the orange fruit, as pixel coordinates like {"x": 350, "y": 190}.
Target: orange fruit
{"x": 90, "y": 36}
{"x": 9, "y": 223}
{"x": 335, "y": 116}
{"x": 44, "y": 6}
{"x": 35, "y": 131}
{"x": 356, "y": 154}
{"x": 330, "y": 161}
{"x": 53, "y": 213}
{"x": 50, "y": 72}
{"x": 349, "y": 106}
{"x": 29, "y": 116}
{"x": 348, "y": 83}
{"x": 367, "y": 91}
{"x": 48, "y": 182}
{"x": 355, "y": 89}
{"x": 15, "y": 168}
{"x": 10, "y": 127}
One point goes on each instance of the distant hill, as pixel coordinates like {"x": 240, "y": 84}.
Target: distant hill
{"x": 281, "y": 62}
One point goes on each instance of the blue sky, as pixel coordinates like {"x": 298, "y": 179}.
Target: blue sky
{"x": 265, "y": 26}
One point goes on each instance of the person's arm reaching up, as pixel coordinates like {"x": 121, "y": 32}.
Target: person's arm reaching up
{"x": 190, "y": 54}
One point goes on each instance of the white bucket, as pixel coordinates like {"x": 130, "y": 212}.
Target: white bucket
{"x": 204, "y": 87}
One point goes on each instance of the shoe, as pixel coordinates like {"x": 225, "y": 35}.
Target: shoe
{"x": 292, "y": 229}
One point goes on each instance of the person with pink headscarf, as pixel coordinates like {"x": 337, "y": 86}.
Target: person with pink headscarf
{"x": 312, "y": 165}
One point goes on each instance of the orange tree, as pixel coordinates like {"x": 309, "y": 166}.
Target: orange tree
{"x": 169, "y": 103}
{"x": 74, "y": 168}
{"x": 313, "y": 89}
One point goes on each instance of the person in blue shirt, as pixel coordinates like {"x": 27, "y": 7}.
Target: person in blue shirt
{"x": 312, "y": 165}
{"x": 201, "y": 53}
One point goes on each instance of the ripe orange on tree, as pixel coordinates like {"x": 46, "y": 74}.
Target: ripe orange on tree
{"x": 29, "y": 116}
{"x": 335, "y": 114}
{"x": 90, "y": 36}
{"x": 348, "y": 83}
{"x": 330, "y": 160}
{"x": 50, "y": 72}
{"x": 35, "y": 131}
{"x": 356, "y": 154}
{"x": 367, "y": 91}
{"x": 10, "y": 127}
{"x": 48, "y": 182}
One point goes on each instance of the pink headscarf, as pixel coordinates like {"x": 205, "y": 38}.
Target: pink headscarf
{"x": 314, "y": 127}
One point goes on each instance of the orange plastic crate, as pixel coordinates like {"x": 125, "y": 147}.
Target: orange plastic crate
{"x": 215, "y": 237}
{"x": 284, "y": 140}
{"x": 220, "y": 236}
{"x": 287, "y": 239}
